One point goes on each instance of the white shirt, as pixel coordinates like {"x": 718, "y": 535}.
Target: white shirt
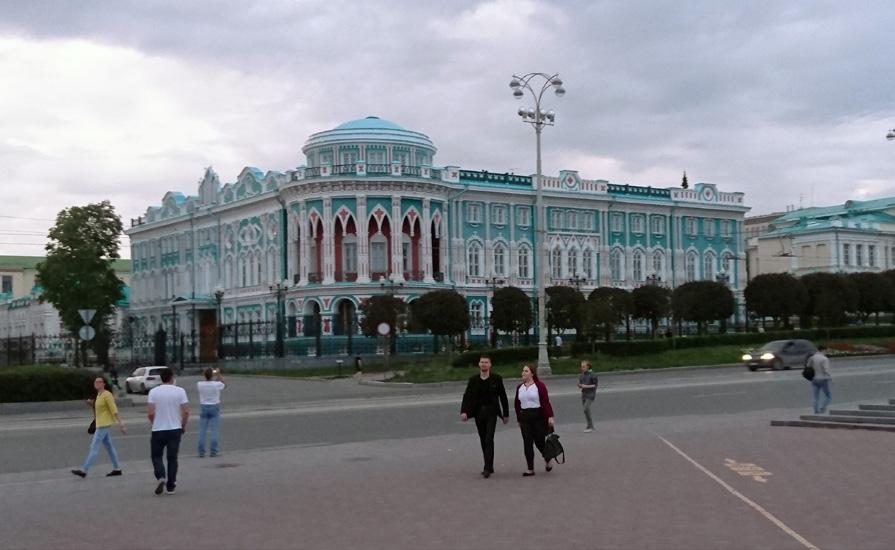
{"x": 529, "y": 398}
{"x": 210, "y": 392}
{"x": 167, "y": 399}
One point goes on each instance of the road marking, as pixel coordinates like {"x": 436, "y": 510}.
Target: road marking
{"x": 748, "y": 469}
{"x": 698, "y": 395}
{"x": 757, "y": 507}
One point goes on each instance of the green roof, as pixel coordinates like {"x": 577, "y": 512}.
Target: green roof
{"x": 850, "y": 208}
{"x": 30, "y": 262}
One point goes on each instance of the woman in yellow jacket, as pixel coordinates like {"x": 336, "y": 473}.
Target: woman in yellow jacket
{"x": 106, "y": 413}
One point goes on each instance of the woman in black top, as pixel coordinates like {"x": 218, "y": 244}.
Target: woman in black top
{"x": 485, "y": 399}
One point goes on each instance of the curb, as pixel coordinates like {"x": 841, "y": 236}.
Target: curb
{"x": 54, "y": 406}
{"x": 832, "y": 425}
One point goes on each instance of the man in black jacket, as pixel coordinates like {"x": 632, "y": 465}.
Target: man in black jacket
{"x": 485, "y": 399}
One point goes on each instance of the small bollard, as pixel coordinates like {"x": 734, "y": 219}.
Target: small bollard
{"x": 339, "y": 363}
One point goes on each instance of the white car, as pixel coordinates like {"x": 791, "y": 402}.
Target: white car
{"x": 143, "y": 379}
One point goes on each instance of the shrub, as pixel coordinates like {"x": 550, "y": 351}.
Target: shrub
{"x": 44, "y": 383}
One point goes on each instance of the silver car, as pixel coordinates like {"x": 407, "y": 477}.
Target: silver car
{"x": 780, "y": 354}
{"x": 143, "y": 379}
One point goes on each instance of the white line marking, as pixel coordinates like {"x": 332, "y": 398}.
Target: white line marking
{"x": 698, "y": 395}
{"x": 757, "y": 507}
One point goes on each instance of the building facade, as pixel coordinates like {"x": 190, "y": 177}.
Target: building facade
{"x": 369, "y": 212}
{"x": 851, "y": 237}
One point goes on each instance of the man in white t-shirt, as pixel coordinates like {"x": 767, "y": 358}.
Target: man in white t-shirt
{"x": 168, "y": 411}
{"x": 210, "y": 409}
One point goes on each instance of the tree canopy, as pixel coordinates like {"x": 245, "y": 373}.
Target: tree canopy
{"x": 383, "y": 308}
{"x": 651, "y": 302}
{"x": 777, "y": 295}
{"x": 702, "y": 302}
{"x": 77, "y": 272}
{"x": 875, "y": 293}
{"x": 831, "y": 296}
{"x": 606, "y": 308}
{"x": 565, "y": 307}
{"x": 443, "y": 312}
{"x": 511, "y": 310}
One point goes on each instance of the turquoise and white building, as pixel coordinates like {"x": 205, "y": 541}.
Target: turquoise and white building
{"x": 370, "y": 211}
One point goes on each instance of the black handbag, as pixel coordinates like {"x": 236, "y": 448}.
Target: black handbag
{"x": 553, "y": 448}
{"x": 91, "y": 429}
{"x": 808, "y": 373}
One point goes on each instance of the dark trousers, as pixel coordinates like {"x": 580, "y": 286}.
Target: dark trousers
{"x": 161, "y": 440}
{"x": 534, "y": 431}
{"x": 485, "y": 422}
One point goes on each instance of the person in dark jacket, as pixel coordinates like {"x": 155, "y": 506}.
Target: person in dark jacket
{"x": 485, "y": 399}
{"x": 535, "y": 416}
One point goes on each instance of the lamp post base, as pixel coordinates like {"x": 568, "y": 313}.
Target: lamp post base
{"x": 543, "y": 360}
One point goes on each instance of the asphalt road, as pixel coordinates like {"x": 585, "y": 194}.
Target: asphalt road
{"x": 679, "y": 459}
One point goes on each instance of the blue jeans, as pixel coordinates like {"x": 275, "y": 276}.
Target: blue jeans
{"x": 160, "y": 442}
{"x": 209, "y": 420}
{"x": 101, "y": 436}
{"x": 820, "y": 386}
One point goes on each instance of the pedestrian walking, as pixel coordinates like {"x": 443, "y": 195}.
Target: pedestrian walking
{"x": 113, "y": 374}
{"x": 210, "y": 409}
{"x": 168, "y": 411}
{"x": 587, "y": 383}
{"x": 105, "y": 414}
{"x": 535, "y": 416}
{"x": 822, "y": 378}
{"x": 485, "y": 399}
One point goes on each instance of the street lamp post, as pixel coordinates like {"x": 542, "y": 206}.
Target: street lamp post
{"x": 493, "y": 283}
{"x": 390, "y": 286}
{"x": 280, "y": 289}
{"x": 218, "y": 298}
{"x": 539, "y": 118}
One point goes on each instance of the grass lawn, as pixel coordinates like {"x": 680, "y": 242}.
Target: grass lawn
{"x": 439, "y": 369}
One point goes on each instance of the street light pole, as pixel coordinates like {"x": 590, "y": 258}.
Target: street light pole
{"x": 539, "y": 118}
{"x": 280, "y": 289}
{"x": 218, "y": 298}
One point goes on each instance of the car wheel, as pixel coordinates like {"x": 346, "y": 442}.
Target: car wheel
{"x": 127, "y": 388}
{"x": 752, "y": 368}
{"x": 778, "y": 364}
{"x": 143, "y": 388}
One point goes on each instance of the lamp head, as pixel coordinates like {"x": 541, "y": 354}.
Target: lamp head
{"x": 517, "y": 93}
{"x": 891, "y": 135}
{"x": 515, "y": 84}
{"x": 560, "y": 91}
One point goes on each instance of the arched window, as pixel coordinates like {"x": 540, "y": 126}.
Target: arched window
{"x": 378, "y": 253}
{"x": 406, "y": 258}
{"x": 349, "y": 253}
{"x": 573, "y": 262}
{"x": 691, "y": 266}
{"x": 587, "y": 263}
{"x": 725, "y": 262}
{"x": 556, "y": 263}
{"x": 708, "y": 268}
{"x": 638, "y": 266}
{"x": 500, "y": 259}
{"x": 474, "y": 260}
{"x": 658, "y": 263}
{"x": 616, "y": 262}
{"x": 524, "y": 262}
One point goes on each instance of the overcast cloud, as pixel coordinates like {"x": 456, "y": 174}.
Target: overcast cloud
{"x": 788, "y": 102}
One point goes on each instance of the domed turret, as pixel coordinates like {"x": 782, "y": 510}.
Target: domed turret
{"x": 372, "y": 139}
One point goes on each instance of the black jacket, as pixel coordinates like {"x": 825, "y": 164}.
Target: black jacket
{"x": 496, "y": 392}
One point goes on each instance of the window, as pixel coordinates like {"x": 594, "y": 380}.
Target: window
{"x": 571, "y": 220}
{"x": 378, "y": 254}
{"x": 616, "y": 259}
{"x": 573, "y": 262}
{"x": 658, "y": 260}
{"x": 498, "y": 215}
{"x": 637, "y": 224}
{"x": 587, "y": 263}
{"x": 500, "y": 255}
{"x": 859, "y": 254}
{"x": 725, "y": 262}
{"x": 871, "y": 255}
{"x": 725, "y": 228}
{"x": 658, "y": 224}
{"x": 348, "y": 157}
{"x": 375, "y": 156}
{"x": 475, "y": 315}
{"x": 473, "y": 212}
{"x": 7, "y": 284}
{"x": 709, "y": 226}
{"x": 406, "y": 258}
{"x": 475, "y": 260}
{"x": 691, "y": 267}
{"x": 556, "y": 219}
{"x": 401, "y": 157}
{"x": 638, "y": 265}
{"x": 617, "y": 222}
{"x": 691, "y": 226}
{"x": 523, "y": 216}
{"x": 349, "y": 254}
{"x": 524, "y": 266}
{"x": 326, "y": 157}
{"x": 556, "y": 263}
{"x": 846, "y": 254}
{"x": 587, "y": 221}
{"x": 708, "y": 268}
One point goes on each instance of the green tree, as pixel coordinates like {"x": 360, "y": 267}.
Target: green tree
{"x": 442, "y": 312}
{"x": 776, "y": 295}
{"x": 383, "y": 308}
{"x": 606, "y": 308}
{"x": 651, "y": 302}
{"x": 511, "y": 310}
{"x": 702, "y": 302}
{"x": 831, "y": 297}
{"x": 565, "y": 307}
{"x": 77, "y": 272}
{"x": 875, "y": 293}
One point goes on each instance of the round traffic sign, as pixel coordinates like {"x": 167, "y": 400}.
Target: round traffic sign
{"x": 87, "y": 332}
{"x": 383, "y": 329}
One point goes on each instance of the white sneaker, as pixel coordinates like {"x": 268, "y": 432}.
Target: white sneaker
{"x": 587, "y": 430}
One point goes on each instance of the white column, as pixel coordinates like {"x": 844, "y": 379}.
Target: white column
{"x": 363, "y": 241}
{"x": 304, "y": 233}
{"x": 329, "y": 247}
{"x": 397, "y": 270}
{"x": 426, "y": 236}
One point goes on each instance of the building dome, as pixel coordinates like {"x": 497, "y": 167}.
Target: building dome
{"x": 371, "y": 130}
